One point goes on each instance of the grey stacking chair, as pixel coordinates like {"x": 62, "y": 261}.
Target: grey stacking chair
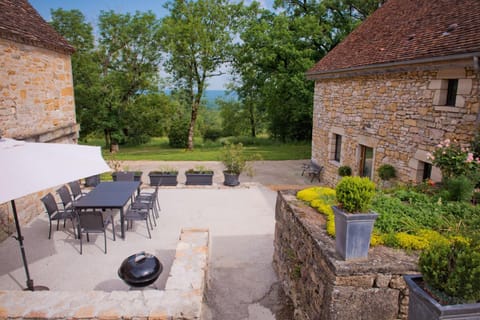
{"x": 94, "y": 221}
{"x": 138, "y": 214}
{"x": 66, "y": 198}
{"x": 54, "y": 213}
{"x": 76, "y": 190}
{"x": 150, "y": 198}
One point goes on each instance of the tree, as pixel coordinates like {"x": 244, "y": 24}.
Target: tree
{"x": 233, "y": 118}
{"x": 275, "y": 51}
{"x": 129, "y": 58}
{"x": 271, "y": 61}
{"x": 85, "y": 68}
{"x": 116, "y": 82}
{"x": 197, "y": 39}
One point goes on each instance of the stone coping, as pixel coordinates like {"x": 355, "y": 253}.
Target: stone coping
{"x": 181, "y": 299}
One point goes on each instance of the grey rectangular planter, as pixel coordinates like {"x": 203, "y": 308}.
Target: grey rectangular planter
{"x": 352, "y": 233}
{"x": 203, "y": 179}
{"x": 422, "y": 306}
{"x": 137, "y": 176}
{"x": 163, "y": 179}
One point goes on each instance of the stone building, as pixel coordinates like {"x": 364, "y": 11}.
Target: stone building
{"x": 36, "y": 88}
{"x": 406, "y": 79}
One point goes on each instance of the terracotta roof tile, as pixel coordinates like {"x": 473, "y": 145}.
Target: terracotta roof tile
{"x": 20, "y": 22}
{"x": 403, "y": 30}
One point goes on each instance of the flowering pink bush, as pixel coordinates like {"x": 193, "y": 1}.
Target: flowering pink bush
{"x": 454, "y": 160}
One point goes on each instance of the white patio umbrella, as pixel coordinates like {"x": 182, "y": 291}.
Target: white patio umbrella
{"x": 28, "y": 167}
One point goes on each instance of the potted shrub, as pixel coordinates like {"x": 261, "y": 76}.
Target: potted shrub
{"x": 449, "y": 284}
{"x": 353, "y": 220}
{"x": 199, "y": 176}
{"x": 163, "y": 177}
{"x": 386, "y": 172}
{"x": 235, "y": 162}
{"x": 344, "y": 171}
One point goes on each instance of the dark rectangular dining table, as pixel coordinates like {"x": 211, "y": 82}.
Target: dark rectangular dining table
{"x": 109, "y": 195}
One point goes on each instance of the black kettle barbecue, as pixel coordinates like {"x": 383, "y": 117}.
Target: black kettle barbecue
{"x": 140, "y": 270}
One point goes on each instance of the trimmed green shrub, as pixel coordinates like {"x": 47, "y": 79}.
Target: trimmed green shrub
{"x": 453, "y": 268}
{"x": 178, "y": 134}
{"x": 344, "y": 171}
{"x": 386, "y": 172}
{"x": 355, "y": 194}
{"x": 459, "y": 188}
{"x": 212, "y": 134}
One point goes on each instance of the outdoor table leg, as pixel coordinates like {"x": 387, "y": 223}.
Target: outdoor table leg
{"x": 122, "y": 222}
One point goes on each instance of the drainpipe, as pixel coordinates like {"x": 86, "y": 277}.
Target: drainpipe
{"x": 476, "y": 68}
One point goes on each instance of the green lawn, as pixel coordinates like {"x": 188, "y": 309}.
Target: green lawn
{"x": 158, "y": 149}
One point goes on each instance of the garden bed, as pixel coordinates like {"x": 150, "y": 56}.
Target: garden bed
{"x": 321, "y": 284}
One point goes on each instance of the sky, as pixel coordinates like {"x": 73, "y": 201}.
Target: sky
{"x": 91, "y": 10}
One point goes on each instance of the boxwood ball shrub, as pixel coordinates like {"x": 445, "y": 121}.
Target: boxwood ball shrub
{"x": 451, "y": 269}
{"x": 386, "y": 172}
{"x": 344, "y": 171}
{"x": 355, "y": 194}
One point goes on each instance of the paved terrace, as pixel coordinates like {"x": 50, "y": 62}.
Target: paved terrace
{"x": 241, "y": 283}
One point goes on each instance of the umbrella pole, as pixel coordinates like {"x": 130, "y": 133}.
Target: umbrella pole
{"x": 19, "y": 238}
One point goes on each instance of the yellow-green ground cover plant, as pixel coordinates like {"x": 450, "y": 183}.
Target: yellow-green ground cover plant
{"x": 408, "y": 218}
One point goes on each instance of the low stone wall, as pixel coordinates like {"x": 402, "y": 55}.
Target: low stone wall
{"x": 181, "y": 299}
{"x": 323, "y": 287}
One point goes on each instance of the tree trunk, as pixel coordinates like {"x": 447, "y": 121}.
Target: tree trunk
{"x": 252, "y": 121}
{"x": 191, "y": 129}
{"x": 196, "y": 99}
{"x": 107, "y": 138}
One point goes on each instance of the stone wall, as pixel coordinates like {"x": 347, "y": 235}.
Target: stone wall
{"x": 401, "y": 115}
{"x": 36, "y": 93}
{"x": 181, "y": 299}
{"x": 36, "y": 104}
{"x": 323, "y": 287}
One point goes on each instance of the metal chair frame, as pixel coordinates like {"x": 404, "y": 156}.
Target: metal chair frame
{"x": 94, "y": 221}
{"x": 54, "y": 213}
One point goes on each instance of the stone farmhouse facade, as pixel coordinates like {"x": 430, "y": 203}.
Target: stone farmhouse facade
{"x": 406, "y": 79}
{"x": 36, "y": 88}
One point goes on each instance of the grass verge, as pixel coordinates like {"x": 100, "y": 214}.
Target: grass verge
{"x": 159, "y": 150}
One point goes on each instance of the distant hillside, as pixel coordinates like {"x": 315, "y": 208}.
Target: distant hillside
{"x": 211, "y": 95}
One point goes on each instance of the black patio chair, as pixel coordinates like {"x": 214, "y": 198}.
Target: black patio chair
{"x": 54, "y": 213}
{"x": 138, "y": 214}
{"x": 148, "y": 200}
{"x": 66, "y": 197}
{"x": 76, "y": 190}
{"x": 154, "y": 196}
{"x": 94, "y": 221}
